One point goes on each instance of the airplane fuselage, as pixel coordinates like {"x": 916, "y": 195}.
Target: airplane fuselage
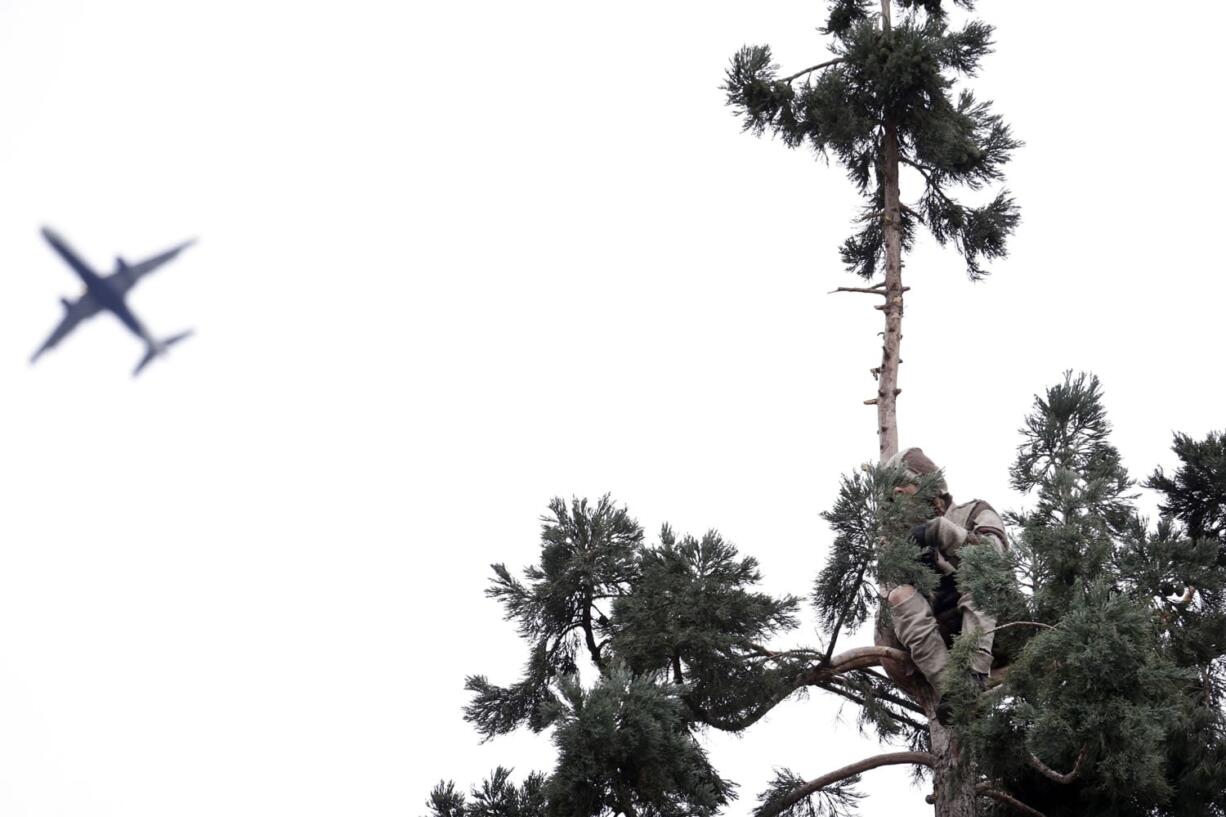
{"x": 108, "y": 293}
{"x": 98, "y": 288}
{"x": 111, "y": 300}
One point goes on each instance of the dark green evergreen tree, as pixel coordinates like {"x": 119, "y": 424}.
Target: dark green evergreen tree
{"x": 1111, "y": 705}
{"x": 885, "y": 100}
{"x": 1112, "y": 632}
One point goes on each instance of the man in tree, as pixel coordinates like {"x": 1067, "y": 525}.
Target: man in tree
{"x": 923, "y": 624}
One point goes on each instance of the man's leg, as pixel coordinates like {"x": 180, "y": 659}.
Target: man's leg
{"x": 917, "y": 630}
{"x": 976, "y": 620}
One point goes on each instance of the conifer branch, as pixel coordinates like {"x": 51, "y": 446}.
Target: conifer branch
{"x": 885, "y": 696}
{"x": 927, "y": 172}
{"x": 858, "y": 658}
{"x": 834, "y": 687}
{"x": 1021, "y": 624}
{"x": 906, "y": 703}
{"x": 866, "y": 290}
{"x": 758, "y": 649}
{"x": 817, "y": 67}
{"x": 984, "y": 790}
{"x": 817, "y": 784}
{"x": 838, "y": 624}
{"x": 1051, "y": 774}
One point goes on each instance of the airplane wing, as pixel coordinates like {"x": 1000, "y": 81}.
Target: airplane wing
{"x": 74, "y": 312}
{"x": 71, "y": 258}
{"x": 126, "y": 275}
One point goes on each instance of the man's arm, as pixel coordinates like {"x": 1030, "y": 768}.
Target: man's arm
{"x": 949, "y": 537}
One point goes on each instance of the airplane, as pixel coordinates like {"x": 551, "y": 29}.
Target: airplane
{"x": 108, "y": 293}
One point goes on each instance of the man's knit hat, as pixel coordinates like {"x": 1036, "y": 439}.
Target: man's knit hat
{"x": 915, "y": 464}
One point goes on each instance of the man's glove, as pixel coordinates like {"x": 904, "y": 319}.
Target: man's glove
{"x": 930, "y": 553}
{"x": 944, "y": 535}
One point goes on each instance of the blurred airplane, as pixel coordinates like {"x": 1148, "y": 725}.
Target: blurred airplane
{"x": 108, "y": 293}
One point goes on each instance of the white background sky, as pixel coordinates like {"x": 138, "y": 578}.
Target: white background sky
{"x": 456, "y": 259}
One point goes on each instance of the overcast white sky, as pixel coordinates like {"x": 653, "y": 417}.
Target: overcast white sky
{"x": 456, "y": 259}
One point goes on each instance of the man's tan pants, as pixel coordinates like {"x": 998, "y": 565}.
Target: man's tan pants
{"x": 916, "y": 628}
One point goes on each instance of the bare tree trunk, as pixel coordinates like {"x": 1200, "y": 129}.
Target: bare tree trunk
{"x": 887, "y": 381}
{"x": 887, "y": 377}
{"x": 953, "y": 781}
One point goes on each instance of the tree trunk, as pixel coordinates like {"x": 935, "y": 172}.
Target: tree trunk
{"x": 953, "y": 782}
{"x": 887, "y": 378}
{"x": 905, "y": 675}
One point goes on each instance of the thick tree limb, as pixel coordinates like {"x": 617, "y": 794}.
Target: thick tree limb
{"x": 1051, "y": 774}
{"x": 891, "y": 759}
{"x": 589, "y": 634}
{"x": 853, "y": 659}
{"x": 817, "y": 67}
{"x": 983, "y": 790}
{"x": 857, "y": 658}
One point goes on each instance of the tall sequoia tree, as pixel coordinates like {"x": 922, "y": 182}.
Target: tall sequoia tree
{"x": 1114, "y": 633}
{"x": 882, "y": 102}
{"x": 1111, "y": 635}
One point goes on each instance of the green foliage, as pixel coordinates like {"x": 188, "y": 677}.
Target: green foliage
{"x": 588, "y": 556}
{"x": 497, "y": 796}
{"x": 1067, "y": 430}
{"x": 1196, "y": 493}
{"x": 676, "y": 634}
{"x": 1126, "y": 673}
{"x": 625, "y": 746}
{"x": 496, "y": 710}
{"x": 1098, "y": 681}
{"x": 1068, "y": 540}
{"x": 901, "y": 79}
{"x": 991, "y": 578}
{"x": 989, "y": 575}
{"x": 446, "y": 801}
{"x": 879, "y": 711}
{"x": 872, "y": 522}
{"x": 691, "y": 617}
{"x": 959, "y": 688}
{"x": 1185, "y": 559}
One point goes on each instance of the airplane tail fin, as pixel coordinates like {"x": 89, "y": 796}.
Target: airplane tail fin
{"x": 152, "y": 350}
